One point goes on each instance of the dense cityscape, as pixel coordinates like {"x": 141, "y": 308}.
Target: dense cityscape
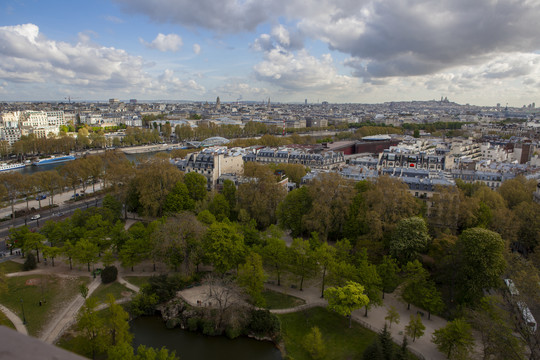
{"x": 270, "y": 197}
{"x": 270, "y": 180}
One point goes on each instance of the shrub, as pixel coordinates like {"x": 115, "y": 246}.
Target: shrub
{"x": 143, "y": 304}
{"x": 233, "y": 332}
{"x": 109, "y": 274}
{"x": 264, "y": 323}
{"x": 30, "y": 262}
{"x": 193, "y": 324}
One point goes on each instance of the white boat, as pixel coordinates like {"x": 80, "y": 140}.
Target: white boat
{"x": 7, "y": 167}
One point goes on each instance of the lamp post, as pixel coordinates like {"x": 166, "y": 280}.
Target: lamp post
{"x": 24, "y": 317}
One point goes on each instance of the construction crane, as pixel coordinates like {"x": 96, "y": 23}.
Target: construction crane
{"x": 70, "y": 97}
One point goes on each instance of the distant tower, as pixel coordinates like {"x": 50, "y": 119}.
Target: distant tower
{"x": 268, "y": 104}
{"x": 218, "y": 103}
{"x": 305, "y": 102}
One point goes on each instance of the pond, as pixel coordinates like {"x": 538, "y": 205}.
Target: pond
{"x": 151, "y": 331}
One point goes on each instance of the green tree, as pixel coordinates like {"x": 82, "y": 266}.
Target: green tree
{"x": 134, "y": 250}
{"x": 303, "y": 262}
{"x": 178, "y": 199}
{"x": 481, "y": 262}
{"x": 410, "y": 238}
{"x": 116, "y": 322}
{"x": 314, "y": 344}
{"x": 229, "y": 191}
{"x": 260, "y": 196}
{"x": 370, "y": 279}
{"x": 83, "y": 289}
{"x": 33, "y": 241}
{"x": 153, "y": 181}
{"x": 178, "y": 241}
{"x": 415, "y": 328}
{"x": 196, "y": 185}
{"x": 455, "y": 339}
{"x": 251, "y": 277}
{"x": 92, "y": 327}
{"x": 332, "y": 196}
{"x": 85, "y": 252}
{"x": 325, "y": 256}
{"x": 275, "y": 256}
{"x": 69, "y": 251}
{"x": 219, "y": 207}
{"x": 403, "y": 353}
{"x": 416, "y": 278}
{"x": 293, "y": 208}
{"x": 373, "y": 351}
{"x": 392, "y": 316}
{"x": 387, "y": 345}
{"x": 431, "y": 299}
{"x": 223, "y": 247}
{"x": 344, "y": 300}
{"x": 149, "y": 353}
{"x": 388, "y": 271}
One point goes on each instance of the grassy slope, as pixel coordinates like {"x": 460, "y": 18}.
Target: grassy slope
{"x": 54, "y": 293}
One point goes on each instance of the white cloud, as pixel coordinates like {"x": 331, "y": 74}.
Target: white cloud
{"x": 301, "y": 71}
{"x": 170, "y": 42}
{"x": 29, "y": 57}
{"x": 196, "y": 49}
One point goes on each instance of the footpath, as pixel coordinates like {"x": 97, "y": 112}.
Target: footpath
{"x": 422, "y": 347}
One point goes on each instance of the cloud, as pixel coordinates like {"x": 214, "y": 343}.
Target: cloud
{"x": 384, "y": 38}
{"x": 236, "y": 90}
{"x": 225, "y": 15}
{"x": 113, "y": 19}
{"x": 404, "y": 38}
{"x": 196, "y": 49}
{"x": 28, "y": 57}
{"x": 170, "y": 42}
{"x": 300, "y": 71}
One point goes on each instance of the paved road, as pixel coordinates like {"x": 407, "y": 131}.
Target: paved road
{"x": 19, "y": 326}
{"x": 65, "y": 207}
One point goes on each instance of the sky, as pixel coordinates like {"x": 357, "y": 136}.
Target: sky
{"x": 480, "y": 52}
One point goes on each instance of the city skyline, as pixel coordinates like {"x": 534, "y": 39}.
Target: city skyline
{"x": 481, "y": 53}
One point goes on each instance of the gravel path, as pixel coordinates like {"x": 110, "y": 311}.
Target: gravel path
{"x": 58, "y": 325}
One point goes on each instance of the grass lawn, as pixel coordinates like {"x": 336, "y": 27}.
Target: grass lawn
{"x": 114, "y": 288}
{"x": 55, "y": 292}
{"x": 9, "y": 266}
{"x": 341, "y": 342}
{"x": 137, "y": 280}
{"x": 5, "y": 321}
{"x": 277, "y": 300}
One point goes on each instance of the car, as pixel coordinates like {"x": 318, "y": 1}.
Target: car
{"x": 41, "y": 197}
{"x": 58, "y": 214}
{"x": 75, "y": 196}
{"x": 35, "y": 217}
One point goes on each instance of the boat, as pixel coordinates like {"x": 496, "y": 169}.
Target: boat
{"x": 53, "y": 160}
{"x": 8, "y": 167}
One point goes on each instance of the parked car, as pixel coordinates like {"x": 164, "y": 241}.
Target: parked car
{"x": 76, "y": 195}
{"x": 35, "y": 217}
{"x": 58, "y": 214}
{"x": 41, "y": 197}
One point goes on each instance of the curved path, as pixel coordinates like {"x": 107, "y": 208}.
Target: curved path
{"x": 423, "y": 348}
{"x": 19, "y": 326}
